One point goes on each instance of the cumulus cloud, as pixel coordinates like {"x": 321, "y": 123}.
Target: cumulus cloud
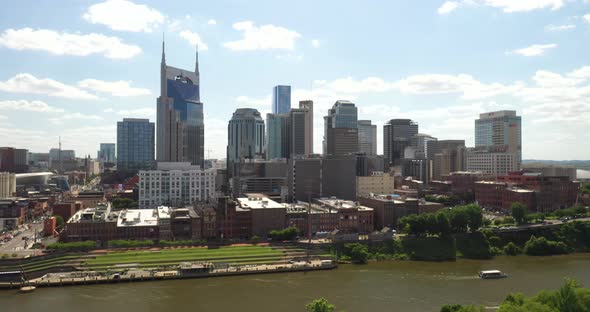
{"x": 265, "y": 37}
{"x": 27, "y": 83}
{"x": 63, "y": 43}
{"x": 559, "y": 27}
{"x": 124, "y": 15}
{"x": 140, "y": 112}
{"x": 73, "y": 116}
{"x": 510, "y": 6}
{"x": 194, "y": 39}
{"x": 315, "y": 43}
{"x": 211, "y": 22}
{"x": 534, "y": 50}
{"x": 448, "y": 7}
{"x": 119, "y": 88}
{"x": 587, "y": 18}
{"x": 29, "y": 106}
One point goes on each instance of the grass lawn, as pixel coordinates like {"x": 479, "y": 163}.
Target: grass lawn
{"x": 224, "y": 254}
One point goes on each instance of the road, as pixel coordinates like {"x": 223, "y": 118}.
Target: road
{"x": 20, "y": 246}
{"x": 550, "y": 223}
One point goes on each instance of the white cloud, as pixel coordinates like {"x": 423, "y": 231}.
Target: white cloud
{"x": 265, "y": 37}
{"x": 211, "y": 22}
{"x": 29, "y": 106}
{"x": 510, "y": 6}
{"x": 124, "y": 15}
{"x": 448, "y": 7}
{"x": 115, "y": 88}
{"x": 587, "y": 18}
{"x": 559, "y": 27}
{"x": 315, "y": 43}
{"x": 194, "y": 39}
{"x": 67, "y": 43}
{"x": 137, "y": 113}
{"x": 73, "y": 116}
{"x": 245, "y": 101}
{"x": 108, "y": 110}
{"x": 534, "y": 50}
{"x": 27, "y": 83}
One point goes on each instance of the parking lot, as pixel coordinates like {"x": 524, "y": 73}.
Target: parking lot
{"x": 20, "y": 241}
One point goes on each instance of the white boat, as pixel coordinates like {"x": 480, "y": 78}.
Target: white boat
{"x": 27, "y": 289}
{"x": 489, "y": 274}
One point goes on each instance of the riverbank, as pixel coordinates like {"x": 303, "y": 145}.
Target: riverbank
{"x": 128, "y": 276}
{"x": 379, "y": 286}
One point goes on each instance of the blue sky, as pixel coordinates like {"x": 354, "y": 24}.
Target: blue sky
{"x": 73, "y": 68}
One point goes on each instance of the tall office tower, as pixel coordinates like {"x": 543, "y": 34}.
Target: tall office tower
{"x": 106, "y": 152}
{"x": 500, "y": 132}
{"x": 420, "y": 143}
{"x": 277, "y": 136}
{"x": 446, "y": 156}
{"x": 135, "y": 144}
{"x": 181, "y": 130}
{"x": 341, "y": 129}
{"x": 245, "y": 136}
{"x": 281, "y": 99}
{"x": 397, "y": 135}
{"x": 367, "y": 137}
{"x": 308, "y": 106}
{"x": 298, "y": 125}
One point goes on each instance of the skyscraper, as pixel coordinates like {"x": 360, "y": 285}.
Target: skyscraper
{"x": 297, "y": 122}
{"x": 308, "y": 106}
{"x": 281, "y": 99}
{"x": 135, "y": 142}
{"x": 341, "y": 129}
{"x": 367, "y": 137}
{"x": 245, "y": 136}
{"x": 106, "y": 152}
{"x": 181, "y": 131}
{"x": 500, "y": 132}
{"x": 397, "y": 135}
{"x": 277, "y": 136}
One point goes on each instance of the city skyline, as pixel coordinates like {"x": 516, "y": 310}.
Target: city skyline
{"x": 79, "y": 85}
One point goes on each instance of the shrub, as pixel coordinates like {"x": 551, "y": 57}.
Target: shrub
{"x": 495, "y": 251}
{"x": 4, "y": 256}
{"x": 289, "y": 233}
{"x": 85, "y": 245}
{"x": 495, "y": 241}
{"x": 511, "y": 249}
{"x": 541, "y": 246}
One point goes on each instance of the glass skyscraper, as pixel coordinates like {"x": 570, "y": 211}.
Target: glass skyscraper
{"x": 246, "y": 136}
{"x": 500, "y": 132}
{"x": 135, "y": 142}
{"x": 181, "y": 129}
{"x": 277, "y": 136}
{"x": 281, "y": 99}
{"x": 341, "y": 129}
{"x": 106, "y": 152}
{"x": 397, "y": 135}
{"x": 367, "y": 137}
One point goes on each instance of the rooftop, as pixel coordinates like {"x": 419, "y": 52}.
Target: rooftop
{"x": 138, "y": 217}
{"x": 258, "y": 203}
{"x": 336, "y": 203}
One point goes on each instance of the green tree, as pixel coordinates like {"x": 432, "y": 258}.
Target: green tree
{"x": 320, "y": 305}
{"x": 511, "y": 249}
{"x": 442, "y": 221}
{"x": 519, "y": 212}
{"x": 475, "y": 217}
{"x": 567, "y": 301}
{"x": 123, "y": 203}
{"x": 359, "y": 254}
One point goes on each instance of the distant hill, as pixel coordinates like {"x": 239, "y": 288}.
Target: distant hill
{"x": 579, "y": 164}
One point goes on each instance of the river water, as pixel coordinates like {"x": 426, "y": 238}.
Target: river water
{"x": 383, "y": 286}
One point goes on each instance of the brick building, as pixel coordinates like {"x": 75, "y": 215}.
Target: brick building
{"x": 501, "y": 195}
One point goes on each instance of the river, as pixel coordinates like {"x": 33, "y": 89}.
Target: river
{"x": 384, "y": 286}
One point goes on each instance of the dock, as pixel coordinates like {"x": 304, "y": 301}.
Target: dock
{"x": 142, "y": 275}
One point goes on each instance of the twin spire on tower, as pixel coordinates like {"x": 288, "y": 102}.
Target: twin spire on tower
{"x": 196, "y": 55}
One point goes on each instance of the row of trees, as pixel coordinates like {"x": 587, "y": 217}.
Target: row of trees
{"x": 289, "y": 233}
{"x": 571, "y": 297}
{"x": 124, "y": 203}
{"x": 458, "y": 219}
{"x": 85, "y": 245}
{"x": 447, "y": 200}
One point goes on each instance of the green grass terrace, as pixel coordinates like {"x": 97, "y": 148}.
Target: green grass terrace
{"x": 157, "y": 257}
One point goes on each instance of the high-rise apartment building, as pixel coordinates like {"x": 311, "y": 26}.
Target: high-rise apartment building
{"x": 181, "y": 130}
{"x": 308, "y": 107}
{"x": 500, "y": 132}
{"x": 175, "y": 184}
{"x": 281, "y": 99}
{"x": 106, "y": 153}
{"x": 135, "y": 142}
{"x": 278, "y": 130}
{"x": 397, "y": 135}
{"x": 367, "y": 137}
{"x": 341, "y": 129}
{"x": 245, "y": 136}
